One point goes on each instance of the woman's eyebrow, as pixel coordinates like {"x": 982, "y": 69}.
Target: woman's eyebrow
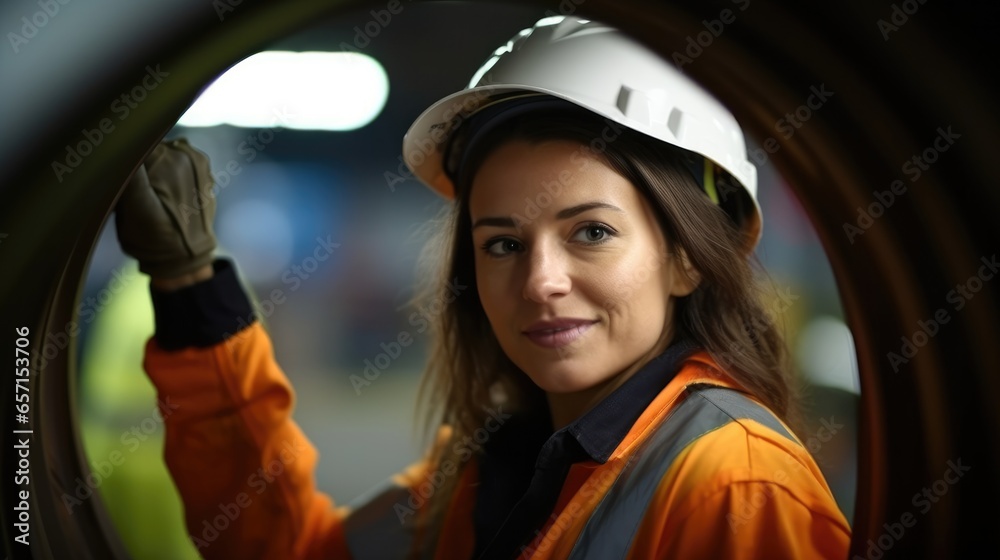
{"x": 581, "y": 208}
{"x": 503, "y": 221}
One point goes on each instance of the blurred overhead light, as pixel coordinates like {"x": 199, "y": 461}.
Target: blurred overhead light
{"x": 301, "y": 90}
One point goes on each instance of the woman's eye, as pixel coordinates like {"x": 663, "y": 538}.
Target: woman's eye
{"x": 593, "y": 234}
{"x": 502, "y": 247}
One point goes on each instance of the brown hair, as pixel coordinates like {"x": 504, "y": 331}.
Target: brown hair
{"x": 468, "y": 373}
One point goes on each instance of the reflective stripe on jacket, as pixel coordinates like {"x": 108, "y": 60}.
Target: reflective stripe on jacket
{"x": 705, "y": 472}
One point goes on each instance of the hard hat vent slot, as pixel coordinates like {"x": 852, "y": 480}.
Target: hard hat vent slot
{"x": 646, "y": 107}
{"x": 674, "y": 122}
{"x": 633, "y": 104}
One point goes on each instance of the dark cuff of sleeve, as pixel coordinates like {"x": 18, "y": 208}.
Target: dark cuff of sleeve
{"x": 203, "y": 314}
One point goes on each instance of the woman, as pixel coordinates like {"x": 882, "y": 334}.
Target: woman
{"x": 608, "y": 385}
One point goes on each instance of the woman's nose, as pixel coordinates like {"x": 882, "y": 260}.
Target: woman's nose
{"x": 547, "y": 274}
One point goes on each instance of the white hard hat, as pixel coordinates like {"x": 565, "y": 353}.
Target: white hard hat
{"x": 596, "y": 67}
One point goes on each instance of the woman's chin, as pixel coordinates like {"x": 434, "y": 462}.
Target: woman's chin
{"x": 563, "y": 379}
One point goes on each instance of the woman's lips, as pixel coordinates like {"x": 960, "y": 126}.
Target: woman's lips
{"x": 557, "y": 333}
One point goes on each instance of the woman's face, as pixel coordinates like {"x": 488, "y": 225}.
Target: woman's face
{"x": 573, "y": 270}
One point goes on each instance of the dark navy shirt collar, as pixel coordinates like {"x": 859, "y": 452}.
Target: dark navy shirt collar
{"x": 601, "y": 429}
{"x": 525, "y": 464}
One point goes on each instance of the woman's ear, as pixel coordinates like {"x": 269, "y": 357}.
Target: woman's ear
{"x": 684, "y": 277}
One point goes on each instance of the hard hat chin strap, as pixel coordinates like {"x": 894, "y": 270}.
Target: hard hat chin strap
{"x": 709, "y": 182}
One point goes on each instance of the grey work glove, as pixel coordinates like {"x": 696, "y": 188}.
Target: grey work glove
{"x": 164, "y": 217}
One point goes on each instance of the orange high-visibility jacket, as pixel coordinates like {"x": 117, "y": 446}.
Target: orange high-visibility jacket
{"x": 705, "y": 472}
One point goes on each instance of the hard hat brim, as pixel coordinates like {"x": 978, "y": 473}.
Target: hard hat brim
{"x": 426, "y": 141}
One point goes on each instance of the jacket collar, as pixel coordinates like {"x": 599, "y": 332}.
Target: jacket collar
{"x": 601, "y": 429}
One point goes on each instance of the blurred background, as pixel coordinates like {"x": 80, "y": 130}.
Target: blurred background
{"x": 290, "y": 183}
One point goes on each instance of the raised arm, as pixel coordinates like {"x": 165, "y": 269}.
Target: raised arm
{"x": 244, "y": 469}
